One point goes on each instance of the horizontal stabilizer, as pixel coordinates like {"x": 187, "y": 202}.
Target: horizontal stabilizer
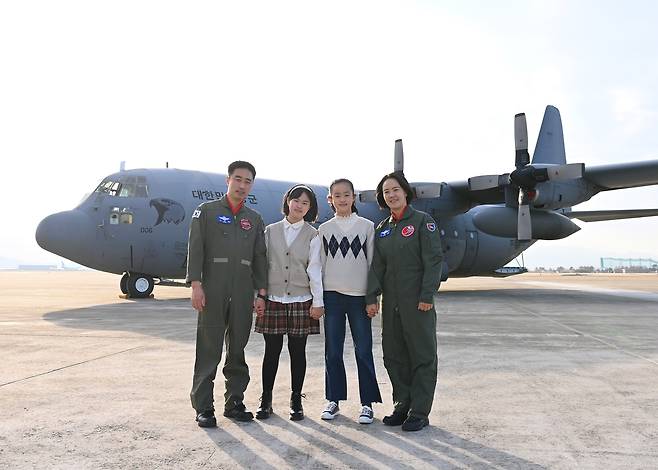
{"x": 598, "y": 216}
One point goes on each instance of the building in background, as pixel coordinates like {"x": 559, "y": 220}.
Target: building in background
{"x": 631, "y": 265}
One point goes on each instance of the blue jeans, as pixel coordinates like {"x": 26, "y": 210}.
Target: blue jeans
{"x": 336, "y": 307}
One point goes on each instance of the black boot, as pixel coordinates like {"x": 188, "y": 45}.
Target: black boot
{"x": 265, "y": 409}
{"x": 296, "y": 410}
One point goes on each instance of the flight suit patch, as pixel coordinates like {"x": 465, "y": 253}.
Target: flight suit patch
{"x": 385, "y": 233}
{"x": 224, "y": 219}
{"x": 245, "y": 224}
{"x": 408, "y": 231}
{"x": 431, "y": 227}
{"x": 196, "y": 214}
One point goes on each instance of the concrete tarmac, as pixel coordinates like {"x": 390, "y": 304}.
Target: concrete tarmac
{"x": 535, "y": 371}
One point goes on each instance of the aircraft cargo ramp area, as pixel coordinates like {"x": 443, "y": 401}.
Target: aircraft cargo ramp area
{"x": 535, "y": 371}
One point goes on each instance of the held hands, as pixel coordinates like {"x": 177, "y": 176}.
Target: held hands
{"x": 372, "y": 310}
{"x": 424, "y": 307}
{"x": 316, "y": 312}
{"x": 198, "y": 296}
{"x": 259, "y": 306}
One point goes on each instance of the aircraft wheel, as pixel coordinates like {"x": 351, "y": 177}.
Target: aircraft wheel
{"x": 123, "y": 283}
{"x": 140, "y": 286}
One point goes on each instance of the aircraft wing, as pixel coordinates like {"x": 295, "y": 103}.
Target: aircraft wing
{"x": 597, "y": 216}
{"x": 623, "y": 175}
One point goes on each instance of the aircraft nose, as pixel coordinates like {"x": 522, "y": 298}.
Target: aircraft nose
{"x": 66, "y": 234}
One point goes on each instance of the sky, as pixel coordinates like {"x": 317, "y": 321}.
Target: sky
{"x": 311, "y": 91}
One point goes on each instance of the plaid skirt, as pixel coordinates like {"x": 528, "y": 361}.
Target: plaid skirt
{"x": 293, "y": 319}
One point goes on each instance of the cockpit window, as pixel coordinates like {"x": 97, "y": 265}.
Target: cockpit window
{"x": 133, "y": 186}
{"x": 128, "y": 186}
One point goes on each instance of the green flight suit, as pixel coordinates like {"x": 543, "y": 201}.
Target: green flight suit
{"x": 227, "y": 254}
{"x": 406, "y": 270}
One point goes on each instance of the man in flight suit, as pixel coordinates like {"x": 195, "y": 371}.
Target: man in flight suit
{"x": 226, "y": 263}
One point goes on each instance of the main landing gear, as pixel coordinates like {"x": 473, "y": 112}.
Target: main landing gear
{"x": 137, "y": 285}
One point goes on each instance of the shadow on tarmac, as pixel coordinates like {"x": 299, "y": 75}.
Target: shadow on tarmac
{"x": 377, "y": 447}
{"x": 167, "y": 319}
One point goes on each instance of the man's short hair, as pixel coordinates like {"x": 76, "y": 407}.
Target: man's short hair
{"x": 402, "y": 181}
{"x": 242, "y": 164}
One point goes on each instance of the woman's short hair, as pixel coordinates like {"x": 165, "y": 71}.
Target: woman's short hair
{"x": 402, "y": 181}
{"x": 349, "y": 183}
{"x": 295, "y": 192}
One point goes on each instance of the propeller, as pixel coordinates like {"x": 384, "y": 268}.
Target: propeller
{"x": 398, "y": 157}
{"x": 421, "y": 190}
{"x": 525, "y": 177}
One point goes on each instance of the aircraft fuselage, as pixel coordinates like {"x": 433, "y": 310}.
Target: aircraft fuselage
{"x": 138, "y": 221}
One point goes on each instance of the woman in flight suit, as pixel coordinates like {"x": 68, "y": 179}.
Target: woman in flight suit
{"x": 406, "y": 270}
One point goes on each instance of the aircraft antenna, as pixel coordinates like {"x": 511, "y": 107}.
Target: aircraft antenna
{"x": 166, "y": 164}
{"x": 122, "y": 166}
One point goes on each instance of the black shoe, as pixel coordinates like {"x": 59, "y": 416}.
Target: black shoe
{"x": 265, "y": 409}
{"x": 414, "y": 423}
{"x": 206, "y": 419}
{"x": 395, "y": 419}
{"x": 296, "y": 410}
{"x": 239, "y": 413}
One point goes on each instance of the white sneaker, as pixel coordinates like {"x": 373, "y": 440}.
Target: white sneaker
{"x": 330, "y": 411}
{"x": 367, "y": 415}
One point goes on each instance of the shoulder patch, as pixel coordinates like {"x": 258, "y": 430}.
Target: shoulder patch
{"x": 196, "y": 214}
{"x": 431, "y": 226}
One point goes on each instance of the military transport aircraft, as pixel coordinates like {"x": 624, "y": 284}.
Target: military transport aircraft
{"x": 136, "y": 221}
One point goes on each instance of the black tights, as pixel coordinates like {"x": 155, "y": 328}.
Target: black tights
{"x": 297, "y": 350}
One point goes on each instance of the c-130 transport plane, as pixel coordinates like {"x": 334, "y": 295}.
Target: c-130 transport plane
{"x": 136, "y": 222}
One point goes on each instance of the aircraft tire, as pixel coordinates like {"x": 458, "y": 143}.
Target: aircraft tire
{"x": 123, "y": 283}
{"x": 140, "y": 286}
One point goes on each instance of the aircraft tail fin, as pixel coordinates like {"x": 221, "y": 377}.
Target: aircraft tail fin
{"x": 550, "y": 143}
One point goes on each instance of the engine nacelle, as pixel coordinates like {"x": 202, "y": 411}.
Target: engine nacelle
{"x": 501, "y": 221}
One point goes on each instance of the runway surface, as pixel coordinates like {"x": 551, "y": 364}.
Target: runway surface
{"x": 536, "y": 371}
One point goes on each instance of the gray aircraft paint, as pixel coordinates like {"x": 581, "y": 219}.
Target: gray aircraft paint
{"x": 144, "y": 227}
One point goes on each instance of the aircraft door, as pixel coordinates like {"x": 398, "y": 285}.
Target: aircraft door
{"x": 117, "y": 232}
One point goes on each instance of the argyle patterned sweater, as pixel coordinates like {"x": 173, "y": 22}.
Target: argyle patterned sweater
{"x": 347, "y": 249}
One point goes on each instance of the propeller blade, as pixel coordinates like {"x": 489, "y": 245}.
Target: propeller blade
{"x": 427, "y": 191}
{"x": 566, "y": 172}
{"x": 398, "y": 164}
{"x": 478, "y": 183}
{"x": 521, "y": 141}
{"x": 524, "y": 223}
